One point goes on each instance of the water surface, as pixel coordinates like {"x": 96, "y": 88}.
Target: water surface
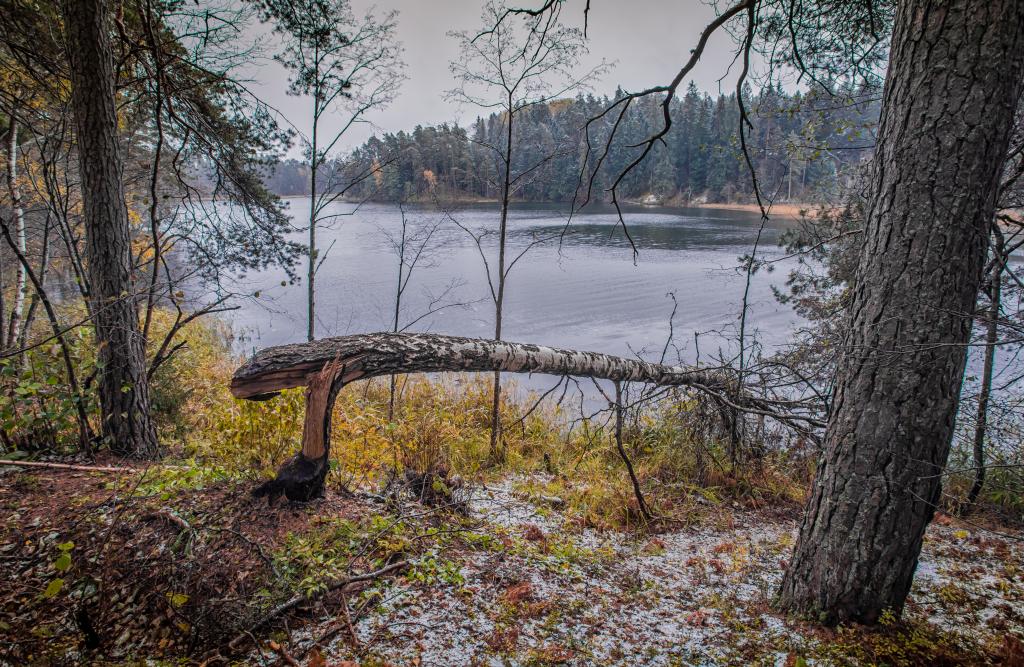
{"x": 582, "y": 290}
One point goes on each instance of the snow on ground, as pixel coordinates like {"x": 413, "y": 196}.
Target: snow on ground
{"x": 533, "y": 589}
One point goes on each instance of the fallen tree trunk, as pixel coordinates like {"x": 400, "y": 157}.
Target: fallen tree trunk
{"x": 324, "y": 366}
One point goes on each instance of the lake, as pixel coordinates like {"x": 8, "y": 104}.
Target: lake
{"x": 585, "y": 293}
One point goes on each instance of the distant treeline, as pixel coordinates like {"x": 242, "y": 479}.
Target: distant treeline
{"x": 803, "y": 146}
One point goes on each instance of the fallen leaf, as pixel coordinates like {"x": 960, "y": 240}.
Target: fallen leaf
{"x": 697, "y": 618}
{"x": 316, "y": 659}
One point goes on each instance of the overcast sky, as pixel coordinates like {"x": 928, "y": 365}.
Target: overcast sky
{"x": 646, "y": 41}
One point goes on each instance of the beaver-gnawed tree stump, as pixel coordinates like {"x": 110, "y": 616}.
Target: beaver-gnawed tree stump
{"x": 325, "y": 366}
{"x": 302, "y": 477}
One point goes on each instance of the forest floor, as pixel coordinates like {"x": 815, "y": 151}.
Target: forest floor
{"x": 177, "y": 566}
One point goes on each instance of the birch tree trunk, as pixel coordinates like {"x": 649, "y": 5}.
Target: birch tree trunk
{"x": 123, "y": 388}
{"x": 21, "y": 282}
{"x": 85, "y": 436}
{"x": 371, "y": 355}
{"x": 954, "y": 78}
{"x": 33, "y": 304}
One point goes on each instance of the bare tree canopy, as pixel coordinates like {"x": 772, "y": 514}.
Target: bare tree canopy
{"x": 344, "y": 66}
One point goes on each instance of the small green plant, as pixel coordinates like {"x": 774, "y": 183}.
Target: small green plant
{"x": 433, "y": 569}
{"x": 167, "y": 482}
{"x": 61, "y": 565}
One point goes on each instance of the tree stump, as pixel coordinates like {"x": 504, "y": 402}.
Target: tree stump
{"x": 302, "y": 477}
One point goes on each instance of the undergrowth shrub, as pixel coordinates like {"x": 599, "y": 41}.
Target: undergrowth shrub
{"x": 439, "y": 429}
{"x": 38, "y": 409}
{"x": 1002, "y": 496}
{"x": 438, "y": 436}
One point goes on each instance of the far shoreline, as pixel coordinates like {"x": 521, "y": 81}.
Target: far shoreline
{"x": 790, "y": 210}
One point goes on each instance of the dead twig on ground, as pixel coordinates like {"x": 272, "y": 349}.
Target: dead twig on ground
{"x": 66, "y": 466}
{"x": 296, "y": 600}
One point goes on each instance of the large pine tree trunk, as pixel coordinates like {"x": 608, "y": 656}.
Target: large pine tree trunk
{"x": 954, "y": 78}
{"x": 124, "y": 393}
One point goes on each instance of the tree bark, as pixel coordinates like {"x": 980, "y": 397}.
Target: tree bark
{"x": 954, "y": 78}
{"x": 302, "y": 477}
{"x": 123, "y": 388}
{"x": 372, "y": 355}
{"x": 348, "y": 358}
{"x": 21, "y": 283}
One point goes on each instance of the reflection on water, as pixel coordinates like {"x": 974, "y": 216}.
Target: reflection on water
{"x": 660, "y": 231}
{"x": 580, "y": 289}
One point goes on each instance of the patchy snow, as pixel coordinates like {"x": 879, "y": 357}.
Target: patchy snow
{"x": 547, "y": 592}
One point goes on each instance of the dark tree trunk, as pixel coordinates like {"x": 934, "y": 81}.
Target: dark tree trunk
{"x": 985, "y": 395}
{"x": 497, "y": 451}
{"x": 124, "y": 392}
{"x": 954, "y": 79}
